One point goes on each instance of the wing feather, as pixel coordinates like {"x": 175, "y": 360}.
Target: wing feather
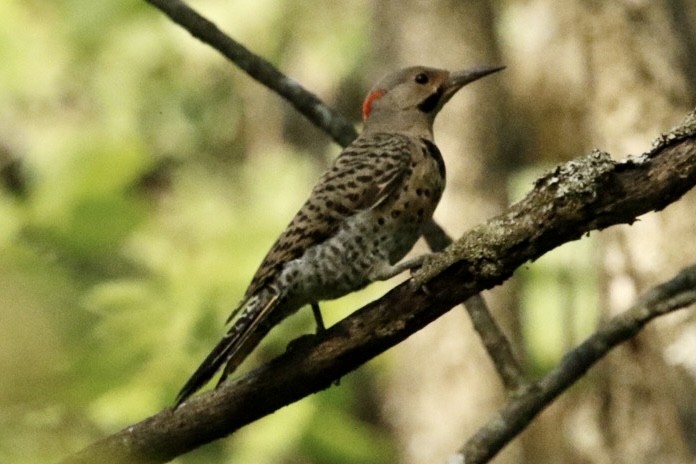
{"x": 363, "y": 176}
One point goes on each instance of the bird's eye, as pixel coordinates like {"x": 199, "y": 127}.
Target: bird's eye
{"x": 422, "y": 78}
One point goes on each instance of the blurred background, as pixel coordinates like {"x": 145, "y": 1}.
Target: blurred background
{"x": 143, "y": 178}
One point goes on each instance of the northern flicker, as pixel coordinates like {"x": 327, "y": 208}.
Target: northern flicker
{"x": 362, "y": 217}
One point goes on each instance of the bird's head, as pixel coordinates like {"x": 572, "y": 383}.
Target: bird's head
{"x": 409, "y": 99}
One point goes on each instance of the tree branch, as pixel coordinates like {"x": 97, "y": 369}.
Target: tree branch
{"x": 494, "y": 340}
{"x": 306, "y": 103}
{"x": 530, "y": 400}
{"x": 579, "y": 196}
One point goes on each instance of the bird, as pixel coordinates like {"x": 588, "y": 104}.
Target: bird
{"x": 362, "y": 217}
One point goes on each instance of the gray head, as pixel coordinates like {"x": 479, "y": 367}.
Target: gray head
{"x": 408, "y": 100}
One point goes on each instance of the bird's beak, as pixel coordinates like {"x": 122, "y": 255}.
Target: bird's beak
{"x": 459, "y": 79}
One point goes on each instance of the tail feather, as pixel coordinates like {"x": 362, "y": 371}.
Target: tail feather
{"x": 244, "y": 335}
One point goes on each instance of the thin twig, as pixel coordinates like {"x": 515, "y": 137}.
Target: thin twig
{"x": 509, "y": 421}
{"x": 496, "y": 343}
{"x": 306, "y": 103}
{"x": 494, "y": 340}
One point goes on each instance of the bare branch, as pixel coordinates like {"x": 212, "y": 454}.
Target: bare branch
{"x": 494, "y": 340}
{"x": 509, "y": 421}
{"x": 575, "y": 198}
{"x": 259, "y": 69}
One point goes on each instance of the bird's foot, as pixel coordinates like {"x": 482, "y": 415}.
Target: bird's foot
{"x": 388, "y": 272}
{"x": 299, "y": 342}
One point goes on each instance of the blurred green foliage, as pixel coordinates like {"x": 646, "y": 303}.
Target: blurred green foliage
{"x": 154, "y": 177}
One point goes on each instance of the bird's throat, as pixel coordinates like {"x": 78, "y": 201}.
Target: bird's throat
{"x": 429, "y": 104}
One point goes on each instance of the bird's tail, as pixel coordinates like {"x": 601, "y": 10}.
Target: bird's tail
{"x": 245, "y": 334}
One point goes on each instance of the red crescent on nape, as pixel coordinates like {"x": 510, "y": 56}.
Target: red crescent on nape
{"x": 369, "y": 100}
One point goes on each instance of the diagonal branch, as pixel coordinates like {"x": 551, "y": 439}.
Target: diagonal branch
{"x": 586, "y": 194}
{"x": 520, "y": 410}
{"x": 495, "y": 343}
{"x": 305, "y": 102}
{"x": 494, "y": 340}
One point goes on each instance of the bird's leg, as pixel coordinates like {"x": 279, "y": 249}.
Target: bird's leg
{"x": 320, "y": 328}
{"x": 387, "y": 272}
{"x": 304, "y": 339}
{"x": 317, "y": 317}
